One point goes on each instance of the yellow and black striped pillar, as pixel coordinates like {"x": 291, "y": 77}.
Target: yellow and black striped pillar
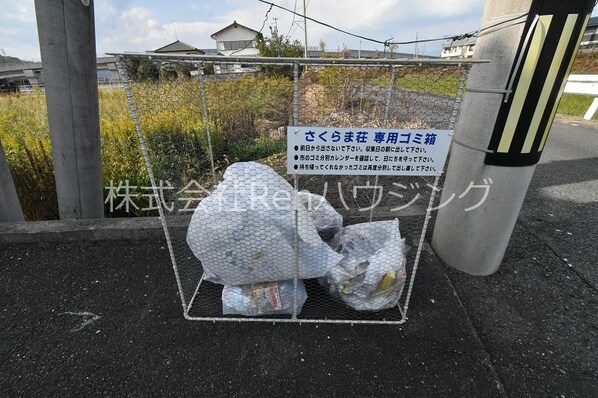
{"x": 537, "y": 81}
{"x": 505, "y": 118}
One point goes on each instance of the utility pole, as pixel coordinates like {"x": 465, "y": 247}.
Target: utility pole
{"x": 176, "y": 36}
{"x": 506, "y": 115}
{"x": 10, "y": 207}
{"x": 415, "y": 49}
{"x": 305, "y": 27}
{"x": 67, "y": 43}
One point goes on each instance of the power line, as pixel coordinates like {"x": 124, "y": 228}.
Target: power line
{"x": 387, "y": 43}
{"x": 503, "y": 23}
{"x": 265, "y": 18}
{"x": 259, "y": 32}
{"x": 284, "y": 4}
{"x": 322, "y": 23}
{"x": 293, "y": 22}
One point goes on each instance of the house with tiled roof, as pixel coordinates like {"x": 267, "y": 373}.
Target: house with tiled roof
{"x": 178, "y": 47}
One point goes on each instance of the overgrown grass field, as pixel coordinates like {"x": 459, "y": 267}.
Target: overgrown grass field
{"x": 575, "y": 105}
{"x": 243, "y": 111}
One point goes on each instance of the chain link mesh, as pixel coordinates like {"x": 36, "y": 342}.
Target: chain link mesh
{"x": 247, "y": 240}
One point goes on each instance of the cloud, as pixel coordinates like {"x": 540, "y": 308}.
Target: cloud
{"x": 19, "y": 11}
{"x": 18, "y": 30}
{"x": 132, "y": 25}
{"x": 123, "y": 25}
{"x": 138, "y": 29}
{"x": 389, "y": 16}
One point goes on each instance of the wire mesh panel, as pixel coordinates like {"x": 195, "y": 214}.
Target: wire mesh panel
{"x": 249, "y": 241}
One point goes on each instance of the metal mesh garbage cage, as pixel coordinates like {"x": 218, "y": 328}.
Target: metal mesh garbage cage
{"x": 291, "y": 190}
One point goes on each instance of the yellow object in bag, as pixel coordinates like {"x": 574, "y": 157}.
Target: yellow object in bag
{"x": 387, "y": 281}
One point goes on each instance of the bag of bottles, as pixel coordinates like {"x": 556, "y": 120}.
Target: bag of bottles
{"x": 263, "y": 298}
{"x": 371, "y": 275}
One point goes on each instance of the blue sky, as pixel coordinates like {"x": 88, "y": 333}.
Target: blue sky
{"x": 134, "y": 25}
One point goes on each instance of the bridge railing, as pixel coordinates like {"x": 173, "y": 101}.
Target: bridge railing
{"x": 31, "y": 88}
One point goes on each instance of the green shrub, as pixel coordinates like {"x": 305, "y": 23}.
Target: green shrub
{"x": 236, "y": 105}
{"x": 257, "y": 148}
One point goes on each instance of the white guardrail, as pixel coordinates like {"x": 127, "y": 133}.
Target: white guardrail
{"x": 584, "y": 85}
{"x": 29, "y": 89}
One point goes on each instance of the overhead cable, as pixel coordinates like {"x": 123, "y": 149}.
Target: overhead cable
{"x": 388, "y": 42}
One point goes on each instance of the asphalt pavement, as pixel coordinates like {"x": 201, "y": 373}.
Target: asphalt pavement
{"x": 103, "y": 317}
{"x": 537, "y": 315}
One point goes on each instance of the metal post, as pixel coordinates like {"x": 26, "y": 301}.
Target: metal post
{"x": 295, "y": 94}
{"x": 505, "y": 119}
{"x": 393, "y": 80}
{"x": 206, "y": 121}
{"x": 295, "y": 210}
{"x": 67, "y": 44}
{"x": 10, "y": 207}
{"x": 305, "y": 27}
{"x": 148, "y": 165}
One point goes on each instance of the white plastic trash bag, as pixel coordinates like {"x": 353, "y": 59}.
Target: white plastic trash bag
{"x": 372, "y": 273}
{"x": 328, "y": 222}
{"x": 244, "y": 232}
{"x": 263, "y": 298}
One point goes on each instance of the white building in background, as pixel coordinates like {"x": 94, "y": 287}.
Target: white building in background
{"x": 590, "y": 36}
{"x": 236, "y": 40}
{"x": 462, "y": 48}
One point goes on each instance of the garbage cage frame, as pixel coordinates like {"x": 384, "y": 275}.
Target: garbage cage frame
{"x": 296, "y": 63}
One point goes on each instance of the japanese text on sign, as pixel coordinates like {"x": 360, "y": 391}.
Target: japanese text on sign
{"x": 366, "y": 151}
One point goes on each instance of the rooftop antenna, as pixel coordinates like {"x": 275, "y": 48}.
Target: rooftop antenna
{"x": 174, "y": 27}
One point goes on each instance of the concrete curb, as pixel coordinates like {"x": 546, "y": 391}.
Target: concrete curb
{"x": 147, "y": 228}
{"x": 135, "y": 228}
{"x": 576, "y": 121}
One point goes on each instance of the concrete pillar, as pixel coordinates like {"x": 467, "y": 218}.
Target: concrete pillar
{"x": 10, "y": 207}
{"x": 500, "y": 135}
{"x": 67, "y": 42}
